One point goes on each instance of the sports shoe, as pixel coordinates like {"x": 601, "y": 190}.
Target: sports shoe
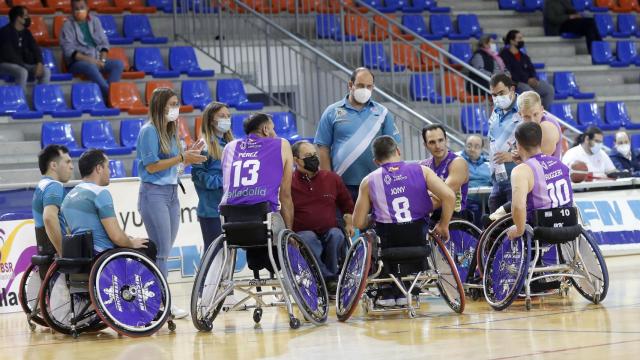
{"x": 178, "y": 313}
{"x": 401, "y": 301}
{"x": 386, "y": 302}
{"x": 500, "y": 212}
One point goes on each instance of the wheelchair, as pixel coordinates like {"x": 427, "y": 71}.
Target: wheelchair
{"x": 464, "y": 238}
{"x": 295, "y": 276}
{"x": 402, "y": 257}
{"x": 121, "y": 289}
{"x": 555, "y": 251}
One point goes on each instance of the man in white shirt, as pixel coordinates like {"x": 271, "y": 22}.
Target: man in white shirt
{"x": 589, "y": 150}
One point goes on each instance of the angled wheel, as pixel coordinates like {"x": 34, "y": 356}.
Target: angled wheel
{"x": 353, "y": 278}
{"x": 216, "y": 270}
{"x": 488, "y": 237}
{"x": 585, "y": 258}
{"x": 462, "y": 245}
{"x": 302, "y": 277}
{"x": 129, "y": 292}
{"x": 448, "y": 281}
{"x": 28, "y": 295}
{"x": 505, "y": 271}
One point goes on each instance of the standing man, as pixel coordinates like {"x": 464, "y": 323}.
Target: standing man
{"x": 20, "y": 55}
{"x": 347, "y": 129}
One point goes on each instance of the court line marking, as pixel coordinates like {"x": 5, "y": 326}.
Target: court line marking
{"x": 544, "y": 330}
{"x": 566, "y": 349}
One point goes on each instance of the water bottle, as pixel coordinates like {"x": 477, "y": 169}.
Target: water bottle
{"x": 500, "y": 172}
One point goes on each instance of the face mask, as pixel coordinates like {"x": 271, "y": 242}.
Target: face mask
{"x": 624, "y": 149}
{"x": 494, "y": 47}
{"x": 596, "y": 148}
{"x": 312, "y": 163}
{"x": 362, "y": 95}
{"x": 520, "y": 44}
{"x": 27, "y": 23}
{"x": 173, "y": 114}
{"x": 502, "y": 101}
{"x": 224, "y": 124}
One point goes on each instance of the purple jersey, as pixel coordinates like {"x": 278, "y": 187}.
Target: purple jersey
{"x": 442, "y": 171}
{"x": 398, "y": 193}
{"x": 252, "y": 171}
{"x": 557, "y": 153}
{"x": 551, "y": 183}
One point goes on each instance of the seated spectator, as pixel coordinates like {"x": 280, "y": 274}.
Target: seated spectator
{"x": 561, "y": 17}
{"x": 479, "y": 174}
{"x": 486, "y": 60}
{"x": 521, "y": 68}
{"x": 623, "y": 157}
{"x": 85, "y": 47}
{"x": 317, "y": 194}
{"x": 89, "y": 207}
{"x": 588, "y": 149}
{"x": 20, "y": 55}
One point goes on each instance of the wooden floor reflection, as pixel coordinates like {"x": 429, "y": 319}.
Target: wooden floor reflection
{"x": 567, "y": 328}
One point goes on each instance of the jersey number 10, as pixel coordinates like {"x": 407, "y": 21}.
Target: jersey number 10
{"x": 559, "y": 193}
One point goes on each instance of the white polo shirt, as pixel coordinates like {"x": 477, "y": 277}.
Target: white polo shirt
{"x": 599, "y": 163}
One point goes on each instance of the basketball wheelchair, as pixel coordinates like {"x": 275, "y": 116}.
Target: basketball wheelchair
{"x": 555, "y": 252}
{"x": 404, "y": 258}
{"x": 295, "y": 276}
{"x": 121, "y": 288}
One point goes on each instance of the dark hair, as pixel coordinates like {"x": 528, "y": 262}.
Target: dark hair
{"x": 432, "y": 127}
{"x": 510, "y": 36}
{"x": 254, "y": 122}
{"x": 590, "y": 133}
{"x": 383, "y": 147}
{"x": 502, "y": 78}
{"x": 89, "y": 160}
{"x": 355, "y": 73}
{"x": 15, "y": 13}
{"x": 529, "y": 135}
{"x": 49, "y": 154}
{"x": 75, "y": 1}
{"x": 295, "y": 148}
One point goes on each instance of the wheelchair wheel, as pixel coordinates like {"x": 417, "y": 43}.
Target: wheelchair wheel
{"x": 214, "y": 270}
{"x": 28, "y": 295}
{"x": 303, "y": 278}
{"x": 505, "y": 271}
{"x": 353, "y": 278}
{"x": 55, "y": 305}
{"x": 129, "y": 292}
{"x": 488, "y": 238}
{"x": 585, "y": 258}
{"x": 448, "y": 282}
{"x": 462, "y": 245}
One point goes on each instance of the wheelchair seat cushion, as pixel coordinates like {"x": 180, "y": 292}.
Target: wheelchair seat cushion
{"x": 405, "y": 254}
{"x": 555, "y": 235}
{"x": 42, "y": 260}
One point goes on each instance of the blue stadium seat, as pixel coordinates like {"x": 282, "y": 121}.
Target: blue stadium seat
{"x": 237, "y": 125}
{"x": 134, "y": 168}
{"x": 374, "y": 57}
{"x": 601, "y": 55}
{"x": 196, "y": 93}
{"x": 565, "y": 85}
{"x": 414, "y": 6}
{"x": 138, "y": 28}
{"x": 99, "y": 134}
{"x": 110, "y": 28}
{"x": 328, "y": 27}
{"x": 627, "y": 26}
{"x": 508, "y": 4}
{"x": 542, "y": 76}
{"x": 627, "y": 53}
{"x": 378, "y": 5}
{"x": 129, "y": 130}
{"x": 469, "y": 25}
{"x": 589, "y": 114}
{"x": 462, "y": 51}
{"x": 285, "y": 126}
{"x": 116, "y": 169}
{"x": 441, "y": 25}
{"x": 149, "y": 60}
{"x": 231, "y": 92}
{"x": 583, "y": 5}
{"x": 422, "y": 87}
{"x": 532, "y": 5}
{"x": 604, "y": 23}
{"x": 165, "y": 6}
{"x": 474, "y": 119}
{"x": 60, "y": 133}
{"x": 4, "y": 20}
{"x": 417, "y": 24}
{"x": 391, "y": 6}
{"x": 50, "y": 100}
{"x": 13, "y": 103}
{"x": 635, "y": 141}
{"x": 563, "y": 112}
{"x": 183, "y": 59}
{"x": 615, "y": 113}
{"x": 50, "y": 62}
{"x": 87, "y": 97}
{"x": 609, "y": 141}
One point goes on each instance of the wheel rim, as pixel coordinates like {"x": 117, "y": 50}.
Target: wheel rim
{"x": 32, "y": 288}
{"x": 307, "y": 286}
{"x": 58, "y": 301}
{"x": 505, "y": 269}
{"x": 462, "y": 246}
{"x": 448, "y": 281}
{"x": 352, "y": 277}
{"x": 588, "y": 264}
{"x": 488, "y": 238}
{"x": 216, "y": 273}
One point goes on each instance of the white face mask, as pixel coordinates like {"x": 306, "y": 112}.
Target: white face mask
{"x": 502, "y": 101}
{"x": 173, "y": 114}
{"x": 494, "y": 47}
{"x": 362, "y": 95}
{"x": 624, "y": 149}
{"x": 224, "y": 124}
{"x": 596, "y": 148}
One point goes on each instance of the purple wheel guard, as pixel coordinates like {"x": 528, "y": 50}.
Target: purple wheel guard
{"x": 349, "y": 287}
{"x": 507, "y": 265}
{"x": 130, "y": 292}
{"x": 462, "y": 248}
{"x": 303, "y": 277}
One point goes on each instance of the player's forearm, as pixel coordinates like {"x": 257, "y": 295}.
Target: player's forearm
{"x": 54, "y": 233}
{"x": 519, "y": 214}
{"x": 448, "y": 205}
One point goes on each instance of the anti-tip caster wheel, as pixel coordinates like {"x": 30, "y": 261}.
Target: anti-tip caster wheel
{"x": 412, "y": 314}
{"x": 294, "y": 323}
{"x": 171, "y": 325}
{"x": 596, "y": 299}
{"x": 527, "y": 303}
{"x": 75, "y": 334}
{"x": 257, "y": 315}
{"x": 32, "y": 326}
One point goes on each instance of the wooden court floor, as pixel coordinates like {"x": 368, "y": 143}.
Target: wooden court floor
{"x": 556, "y": 328}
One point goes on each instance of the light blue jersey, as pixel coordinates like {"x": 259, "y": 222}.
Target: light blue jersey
{"x": 502, "y": 129}
{"x": 84, "y": 207}
{"x": 148, "y": 152}
{"x": 47, "y": 192}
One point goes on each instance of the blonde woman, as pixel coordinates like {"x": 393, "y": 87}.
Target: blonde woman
{"x": 159, "y": 154}
{"x": 207, "y": 177}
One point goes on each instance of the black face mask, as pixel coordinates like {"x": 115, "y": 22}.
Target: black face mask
{"x": 311, "y": 163}
{"x": 27, "y": 22}
{"x": 520, "y": 44}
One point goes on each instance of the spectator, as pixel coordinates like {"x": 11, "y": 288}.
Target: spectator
{"x": 623, "y": 157}
{"x": 317, "y": 195}
{"x": 561, "y": 17}
{"x": 85, "y": 47}
{"x": 589, "y": 151}
{"x": 346, "y": 149}
{"x": 207, "y": 177}
{"x": 479, "y": 174}
{"x": 486, "y": 60}
{"x": 521, "y": 68}
{"x": 20, "y": 56}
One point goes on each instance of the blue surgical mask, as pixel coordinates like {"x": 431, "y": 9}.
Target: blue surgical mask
{"x": 596, "y": 148}
{"x": 224, "y": 124}
{"x": 502, "y": 101}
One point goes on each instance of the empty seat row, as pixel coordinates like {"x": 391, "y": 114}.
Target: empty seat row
{"x": 615, "y": 116}
{"x": 406, "y": 56}
{"x": 406, "y": 6}
{"x": 521, "y": 5}
{"x": 626, "y": 54}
